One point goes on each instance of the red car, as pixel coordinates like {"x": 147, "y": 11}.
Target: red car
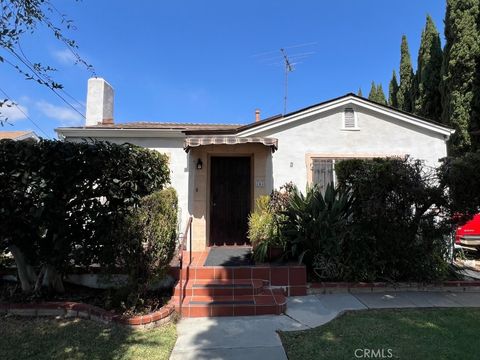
{"x": 469, "y": 233}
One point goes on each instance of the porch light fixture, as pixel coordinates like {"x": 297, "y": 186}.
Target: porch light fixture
{"x": 199, "y": 164}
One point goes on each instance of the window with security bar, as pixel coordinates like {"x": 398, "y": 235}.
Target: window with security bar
{"x": 323, "y": 173}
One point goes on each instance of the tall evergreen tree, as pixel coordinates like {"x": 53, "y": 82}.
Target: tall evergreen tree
{"x": 372, "y": 95}
{"x": 404, "y": 96}
{"x": 393, "y": 91}
{"x": 360, "y": 92}
{"x": 428, "y": 102}
{"x": 475, "y": 119}
{"x": 381, "y": 99}
{"x": 376, "y": 94}
{"x": 462, "y": 52}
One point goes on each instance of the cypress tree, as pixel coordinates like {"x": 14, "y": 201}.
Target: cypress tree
{"x": 393, "y": 91}
{"x": 381, "y": 99}
{"x": 376, "y": 94}
{"x": 372, "y": 95}
{"x": 404, "y": 95}
{"x": 462, "y": 51}
{"x": 360, "y": 92}
{"x": 428, "y": 102}
{"x": 475, "y": 120}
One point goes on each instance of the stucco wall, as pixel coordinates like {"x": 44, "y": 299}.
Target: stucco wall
{"x": 324, "y": 137}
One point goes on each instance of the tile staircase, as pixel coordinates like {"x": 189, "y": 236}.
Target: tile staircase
{"x": 237, "y": 291}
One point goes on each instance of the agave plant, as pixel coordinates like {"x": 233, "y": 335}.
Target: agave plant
{"x": 315, "y": 223}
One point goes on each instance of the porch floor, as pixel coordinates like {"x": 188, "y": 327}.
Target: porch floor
{"x": 229, "y": 256}
{"x": 198, "y": 257}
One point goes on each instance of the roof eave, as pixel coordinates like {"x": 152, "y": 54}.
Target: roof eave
{"x": 86, "y": 132}
{"x": 328, "y": 105}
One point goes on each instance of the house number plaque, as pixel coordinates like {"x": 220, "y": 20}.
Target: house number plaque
{"x": 259, "y": 183}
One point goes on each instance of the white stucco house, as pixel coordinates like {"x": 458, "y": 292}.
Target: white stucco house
{"x": 19, "y": 135}
{"x": 219, "y": 170}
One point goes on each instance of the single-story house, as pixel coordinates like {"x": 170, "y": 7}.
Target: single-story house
{"x": 219, "y": 170}
{"x": 19, "y": 135}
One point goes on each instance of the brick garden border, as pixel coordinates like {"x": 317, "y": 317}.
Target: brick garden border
{"x": 67, "y": 309}
{"x": 357, "y": 287}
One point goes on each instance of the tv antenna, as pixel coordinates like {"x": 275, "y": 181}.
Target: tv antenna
{"x": 288, "y": 69}
{"x": 288, "y": 63}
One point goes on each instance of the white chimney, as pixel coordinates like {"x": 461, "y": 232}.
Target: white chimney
{"x": 99, "y": 102}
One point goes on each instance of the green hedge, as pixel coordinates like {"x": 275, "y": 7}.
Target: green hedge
{"x": 60, "y": 202}
{"x": 461, "y": 176}
{"x": 147, "y": 241}
{"x": 389, "y": 219}
{"x": 395, "y": 231}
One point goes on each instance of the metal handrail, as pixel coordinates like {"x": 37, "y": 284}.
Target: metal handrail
{"x": 181, "y": 249}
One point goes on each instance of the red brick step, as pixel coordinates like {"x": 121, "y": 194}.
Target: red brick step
{"x": 268, "y": 302}
{"x": 236, "y": 291}
{"x": 206, "y": 287}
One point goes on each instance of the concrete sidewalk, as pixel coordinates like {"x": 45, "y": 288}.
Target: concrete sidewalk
{"x": 255, "y": 337}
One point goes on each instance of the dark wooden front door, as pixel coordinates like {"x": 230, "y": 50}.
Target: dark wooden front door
{"x": 229, "y": 200}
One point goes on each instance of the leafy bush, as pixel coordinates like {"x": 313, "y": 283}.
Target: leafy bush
{"x": 396, "y": 232}
{"x": 264, "y": 225}
{"x": 279, "y": 199}
{"x": 261, "y": 222}
{"x": 460, "y": 175}
{"x": 383, "y": 222}
{"x": 61, "y": 202}
{"x": 314, "y": 226}
{"x": 148, "y": 239}
{"x": 262, "y": 228}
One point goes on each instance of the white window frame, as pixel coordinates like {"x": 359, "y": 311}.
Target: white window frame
{"x": 355, "y": 119}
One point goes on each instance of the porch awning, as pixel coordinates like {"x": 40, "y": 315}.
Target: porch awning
{"x": 191, "y": 142}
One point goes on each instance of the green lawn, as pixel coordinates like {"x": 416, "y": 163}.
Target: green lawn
{"x": 26, "y": 338}
{"x": 409, "y": 334}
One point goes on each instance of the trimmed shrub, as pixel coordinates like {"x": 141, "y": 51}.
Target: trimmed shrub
{"x": 61, "y": 202}
{"x": 460, "y": 175}
{"x": 147, "y": 241}
{"x": 396, "y": 231}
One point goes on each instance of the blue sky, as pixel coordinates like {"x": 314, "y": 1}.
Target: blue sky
{"x": 197, "y": 61}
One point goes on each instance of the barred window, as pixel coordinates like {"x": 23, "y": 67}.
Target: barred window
{"x": 323, "y": 173}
